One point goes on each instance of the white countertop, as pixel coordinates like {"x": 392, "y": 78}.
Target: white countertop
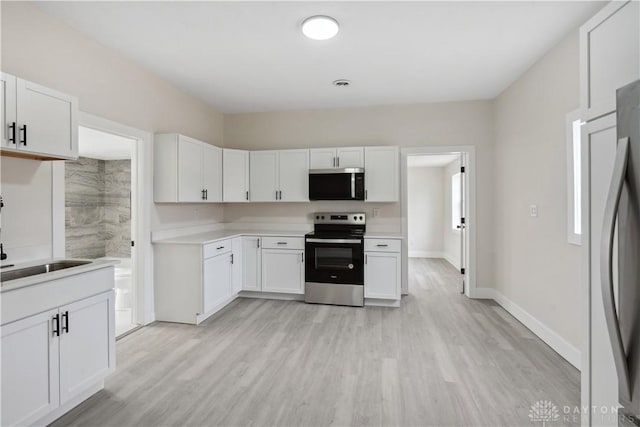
{"x": 214, "y": 236}
{"x": 45, "y": 277}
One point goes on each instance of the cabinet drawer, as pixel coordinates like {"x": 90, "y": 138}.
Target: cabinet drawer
{"x": 283, "y": 242}
{"x": 382, "y": 245}
{"x": 216, "y": 248}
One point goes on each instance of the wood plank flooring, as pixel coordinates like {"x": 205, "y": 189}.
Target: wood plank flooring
{"x": 441, "y": 359}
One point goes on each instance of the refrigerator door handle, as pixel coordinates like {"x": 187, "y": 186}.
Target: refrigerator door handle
{"x": 606, "y": 266}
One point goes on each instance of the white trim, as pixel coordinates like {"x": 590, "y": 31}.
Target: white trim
{"x": 450, "y": 260}
{"x": 561, "y": 346}
{"x": 426, "y": 254}
{"x": 377, "y": 302}
{"x": 469, "y": 208}
{"x": 142, "y": 252}
{"x": 572, "y": 237}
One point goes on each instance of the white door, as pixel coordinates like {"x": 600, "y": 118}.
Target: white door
{"x": 47, "y": 121}
{"x": 322, "y": 158}
{"x": 294, "y": 175}
{"x": 381, "y": 174}
{"x": 8, "y": 110}
{"x": 350, "y": 157}
{"x": 382, "y": 275}
{"x": 251, "y": 263}
{"x": 190, "y": 187}
{"x": 283, "y": 271}
{"x": 29, "y": 369}
{"x": 236, "y": 175}
{"x": 611, "y": 54}
{"x": 212, "y": 173}
{"x": 236, "y": 268}
{"x": 600, "y": 148}
{"x": 263, "y": 176}
{"x": 87, "y": 334}
{"x": 217, "y": 281}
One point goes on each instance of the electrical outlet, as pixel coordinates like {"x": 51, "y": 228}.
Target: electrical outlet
{"x": 376, "y": 212}
{"x": 533, "y": 211}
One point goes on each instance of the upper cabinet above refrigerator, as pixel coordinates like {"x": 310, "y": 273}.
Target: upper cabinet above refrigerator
{"x": 37, "y": 122}
{"x": 609, "y": 56}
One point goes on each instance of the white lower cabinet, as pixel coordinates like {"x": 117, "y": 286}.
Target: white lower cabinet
{"x": 50, "y": 358}
{"x": 251, "y": 263}
{"x": 236, "y": 265}
{"x": 216, "y": 281}
{"x": 283, "y": 271}
{"x": 382, "y": 264}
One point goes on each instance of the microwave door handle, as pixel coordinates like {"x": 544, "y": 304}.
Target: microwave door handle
{"x": 353, "y": 185}
{"x": 606, "y": 266}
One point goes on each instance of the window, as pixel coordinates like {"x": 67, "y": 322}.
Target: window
{"x": 574, "y": 179}
{"x": 456, "y": 200}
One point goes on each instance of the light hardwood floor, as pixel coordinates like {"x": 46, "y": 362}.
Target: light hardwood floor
{"x": 440, "y": 359}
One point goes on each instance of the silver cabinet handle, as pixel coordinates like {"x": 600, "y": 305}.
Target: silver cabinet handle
{"x": 606, "y": 266}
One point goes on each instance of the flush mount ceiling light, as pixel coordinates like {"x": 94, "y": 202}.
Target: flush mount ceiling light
{"x": 320, "y": 27}
{"x": 342, "y": 83}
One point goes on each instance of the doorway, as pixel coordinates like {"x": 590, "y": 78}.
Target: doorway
{"x": 438, "y": 212}
{"x": 99, "y": 207}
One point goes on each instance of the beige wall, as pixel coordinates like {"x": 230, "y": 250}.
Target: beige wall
{"x": 443, "y": 124}
{"x": 535, "y": 265}
{"x": 40, "y": 48}
{"x": 425, "y": 211}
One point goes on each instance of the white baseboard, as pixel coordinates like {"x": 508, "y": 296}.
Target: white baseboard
{"x": 450, "y": 260}
{"x": 561, "y": 346}
{"x": 426, "y": 254}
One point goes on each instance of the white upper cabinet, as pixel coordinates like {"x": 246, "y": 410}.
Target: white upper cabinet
{"x": 235, "y": 168}
{"x": 609, "y": 56}
{"x": 263, "y": 176}
{"x": 294, "y": 176}
{"x": 37, "y": 121}
{"x": 381, "y": 174}
{"x": 279, "y": 176}
{"x": 186, "y": 170}
{"x": 331, "y": 158}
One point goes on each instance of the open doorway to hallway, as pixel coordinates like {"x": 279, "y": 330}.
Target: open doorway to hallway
{"x": 98, "y": 212}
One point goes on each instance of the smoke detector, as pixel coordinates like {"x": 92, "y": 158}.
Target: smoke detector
{"x": 341, "y": 83}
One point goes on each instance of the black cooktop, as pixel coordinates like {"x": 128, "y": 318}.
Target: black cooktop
{"x": 354, "y": 234}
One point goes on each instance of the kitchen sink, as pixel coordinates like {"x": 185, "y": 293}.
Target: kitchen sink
{"x": 39, "y": 269}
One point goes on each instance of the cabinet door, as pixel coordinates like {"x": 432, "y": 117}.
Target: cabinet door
{"x": 599, "y": 149}
{"x": 236, "y": 269}
{"x": 212, "y": 172}
{"x": 294, "y": 175}
{"x": 8, "y": 109}
{"x": 29, "y": 369}
{"x": 609, "y": 55}
{"x": 217, "y": 281}
{"x": 283, "y": 271}
{"x": 263, "y": 176}
{"x": 236, "y": 175}
{"x": 382, "y": 275}
{"x": 350, "y": 157}
{"x": 87, "y": 343}
{"x": 189, "y": 170}
{"x": 251, "y": 263}
{"x": 322, "y": 158}
{"x": 381, "y": 174}
{"x": 50, "y": 118}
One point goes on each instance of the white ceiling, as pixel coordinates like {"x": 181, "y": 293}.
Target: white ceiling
{"x": 96, "y": 144}
{"x": 431, "y": 161}
{"x": 251, "y": 56}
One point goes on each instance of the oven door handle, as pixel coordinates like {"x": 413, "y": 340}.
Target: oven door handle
{"x": 347, "y": 241}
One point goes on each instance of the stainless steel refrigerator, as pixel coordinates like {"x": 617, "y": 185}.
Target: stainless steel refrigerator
{"x": 623, "y": 204}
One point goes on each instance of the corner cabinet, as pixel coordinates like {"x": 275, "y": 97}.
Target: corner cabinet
{"x": 283, "y": 265}
{"x": 382, "y": 269}
{"x": 251, "y": 263}
{"x": 279, "y": 176}
{"x": 382, "y": 174}
{"x": 38, "y": 122}
{"x": 186, "y": 170}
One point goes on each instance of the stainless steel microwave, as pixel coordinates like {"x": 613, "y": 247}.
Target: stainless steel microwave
{"x": 336, "y": 184}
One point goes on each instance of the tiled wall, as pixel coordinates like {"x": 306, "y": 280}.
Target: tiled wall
{"x": 98, "y": 208}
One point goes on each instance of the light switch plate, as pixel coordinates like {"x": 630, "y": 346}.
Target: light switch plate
{"x": 376, "y": 212}
{"x": 533, "y": 211}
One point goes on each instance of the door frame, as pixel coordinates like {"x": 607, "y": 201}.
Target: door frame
{"x": 469, "y": 210}
{"x": 141, "y": 180}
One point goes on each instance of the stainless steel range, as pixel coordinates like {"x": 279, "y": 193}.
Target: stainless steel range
{"x": 334, "y": 252}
